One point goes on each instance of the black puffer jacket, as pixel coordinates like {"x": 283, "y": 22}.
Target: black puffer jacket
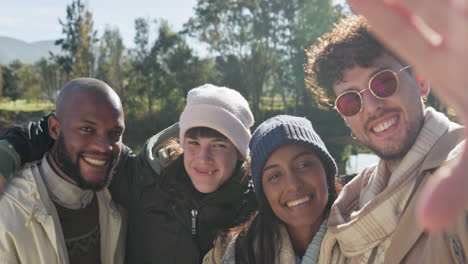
{"x": 163, "y": 226}
{"x": 178, "y": 226}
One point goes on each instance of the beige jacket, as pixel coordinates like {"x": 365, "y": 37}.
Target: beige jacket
{"x": 410, "y": 243}
{"x": 30, "y": 230}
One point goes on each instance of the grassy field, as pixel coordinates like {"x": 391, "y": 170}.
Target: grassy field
{"x": 21, "y": 111}
{"x": 25, "y": 106}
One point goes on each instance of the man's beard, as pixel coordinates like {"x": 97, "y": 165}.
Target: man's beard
{"x": 399, "y": 152}
{"x": 71, "y": 168}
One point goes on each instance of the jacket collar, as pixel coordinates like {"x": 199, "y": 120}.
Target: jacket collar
{"x": 29, "y": 190}
{"x": 61, "y": 191}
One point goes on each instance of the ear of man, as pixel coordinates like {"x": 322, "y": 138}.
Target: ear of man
{"x": 54, "y": 127}
{"x": 424, "y": 87}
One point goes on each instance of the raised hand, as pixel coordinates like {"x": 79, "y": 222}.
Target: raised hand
{"x": 432, "y": 36}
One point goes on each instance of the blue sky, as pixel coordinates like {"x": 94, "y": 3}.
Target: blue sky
{"x": 33, "y": 20}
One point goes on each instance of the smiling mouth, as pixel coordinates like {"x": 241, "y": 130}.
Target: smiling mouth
{"x": 299, "y": 201}
{"x": 205, "y": 172}
{"x": 385, "y": 125}
{"x": 95, "y": 162}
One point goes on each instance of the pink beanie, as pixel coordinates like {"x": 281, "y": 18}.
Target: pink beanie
{"x": 222, "y": 109}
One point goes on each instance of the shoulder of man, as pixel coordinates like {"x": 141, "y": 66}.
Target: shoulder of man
{"x": 362, "y": 177}
{"x": 448, "y": 147}
{"x": 20, "y": 197}
{"x": 24, "y": 178}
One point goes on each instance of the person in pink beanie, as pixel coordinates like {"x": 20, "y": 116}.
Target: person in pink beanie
{"x": 179, "y": 194}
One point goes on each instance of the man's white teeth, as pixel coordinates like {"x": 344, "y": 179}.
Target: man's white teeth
{"x": 298, "y": 201}
{"x": 95, "y": 161}
{"x": 385, "y": 125}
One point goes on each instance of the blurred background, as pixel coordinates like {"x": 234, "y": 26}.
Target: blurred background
{"x": 153, "y": 52}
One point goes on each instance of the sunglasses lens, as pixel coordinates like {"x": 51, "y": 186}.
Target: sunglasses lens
{"x": 384, "y": 84}
{"x": 349, "y": 104}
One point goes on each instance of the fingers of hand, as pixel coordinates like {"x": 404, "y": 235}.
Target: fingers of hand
{"x": 438, "y": 22}
{"x": 392, "y": 23}
{"x": 445, "y": 21}
{"x": 169, "y": 153}
{"x": 445, "y": 197}
{"x": 407, "y": 28}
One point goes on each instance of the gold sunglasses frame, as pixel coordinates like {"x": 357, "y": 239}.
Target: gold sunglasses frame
{"x": 369, "y": 88}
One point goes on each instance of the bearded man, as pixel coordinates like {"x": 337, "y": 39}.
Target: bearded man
{"x": 58, "y": 209}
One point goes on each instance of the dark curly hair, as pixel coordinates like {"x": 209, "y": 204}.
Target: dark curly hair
{"x": 350, "y": 43}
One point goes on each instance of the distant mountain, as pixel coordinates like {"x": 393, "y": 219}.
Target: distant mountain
{"x": 11, "y": 49}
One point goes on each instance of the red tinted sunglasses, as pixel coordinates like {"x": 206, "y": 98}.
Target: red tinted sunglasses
{"x": 382, "y": 85}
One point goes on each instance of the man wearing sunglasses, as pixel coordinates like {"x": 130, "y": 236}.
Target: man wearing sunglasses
{"x": 381, "y": 99}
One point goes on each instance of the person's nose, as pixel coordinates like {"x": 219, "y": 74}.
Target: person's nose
{"x": 292, "y": 182}
{"x": 103, "y": 144}
{"x": 370, "y": 103}
{"x": 205, "y": 154}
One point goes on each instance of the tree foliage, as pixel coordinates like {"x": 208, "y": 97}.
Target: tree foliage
{"x": 51, "y": 78}
{"x": 112, "y": 64}
{"x": 260, "y": 52}
{"x": 10, "y": 87}
{"x": 77, "y": 58}
{"x": 256, "y": 47}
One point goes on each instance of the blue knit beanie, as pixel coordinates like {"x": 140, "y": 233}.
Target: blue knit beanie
{"x": 279, "y": 131}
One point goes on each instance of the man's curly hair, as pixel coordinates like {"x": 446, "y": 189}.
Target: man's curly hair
{"x": 348, "y": 44}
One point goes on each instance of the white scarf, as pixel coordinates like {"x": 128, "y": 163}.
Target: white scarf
{"x": 368, "y": 210}
{"x": 286, "y": 254}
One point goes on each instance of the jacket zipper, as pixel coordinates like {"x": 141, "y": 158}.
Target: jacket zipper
{"x": 194, "y": 221}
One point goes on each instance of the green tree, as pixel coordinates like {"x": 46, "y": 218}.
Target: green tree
{"x": 176, "y": 67}
{"x": 77, "y": 45}
{"x": 245, "y": 30}
{"x": 111, "y": 62}
{"x": 260, "y": 46}
{"x": 85, "y": 58}
{"x": 166, "y": 69}
{"x": 141, "y": 72}
{"x": 1, "y": 81}
{"x": 51, "y": 78}
{"x": 10, "y": 80}
{"x": 307, "y": 20}
{"x": 261, "y": 41}
{"x": 28, "y": 82}
{"x": 161, "y": 73}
